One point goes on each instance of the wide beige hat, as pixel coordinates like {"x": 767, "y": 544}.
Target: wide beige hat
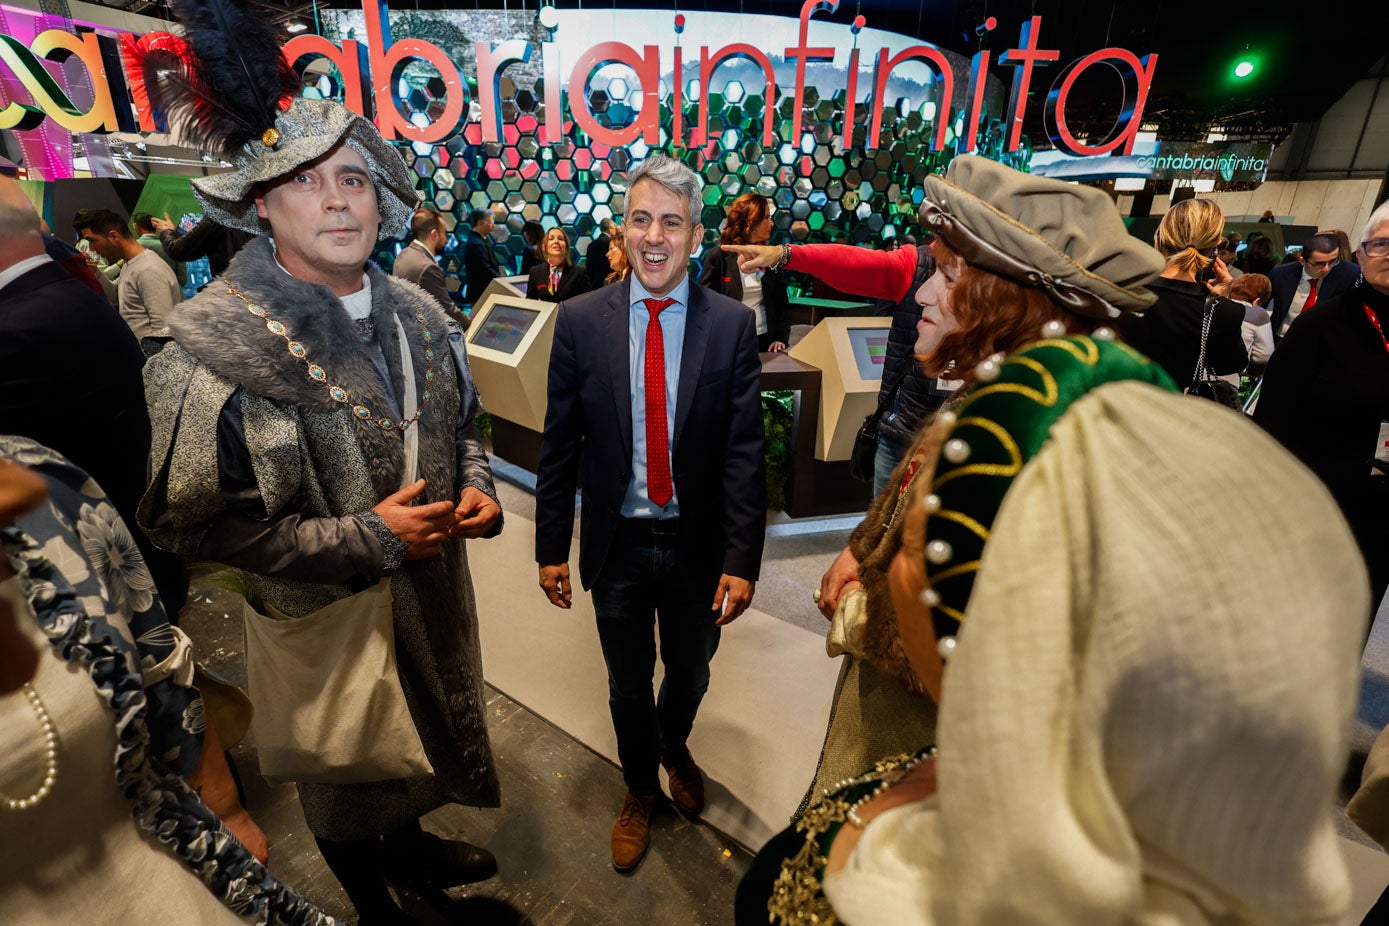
{"x": 304, "y": 132}
{"x": 1061, "y": 237}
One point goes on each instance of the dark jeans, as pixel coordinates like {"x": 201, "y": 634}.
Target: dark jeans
{"x": 665, "y": 581}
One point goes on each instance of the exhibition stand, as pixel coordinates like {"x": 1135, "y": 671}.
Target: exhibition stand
{"x": 509, "y": 341}
{"x": 835, "y": 373}
{"x": 850, "y": 353}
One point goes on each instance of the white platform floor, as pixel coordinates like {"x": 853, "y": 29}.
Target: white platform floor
{"x": 759, "y": 730}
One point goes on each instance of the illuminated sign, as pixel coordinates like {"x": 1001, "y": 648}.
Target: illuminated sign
{"x": 369, "y": 73}
{"x": 1231, "y": 162}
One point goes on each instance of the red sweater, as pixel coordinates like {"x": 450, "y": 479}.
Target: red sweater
{"x": 861, "y": 271}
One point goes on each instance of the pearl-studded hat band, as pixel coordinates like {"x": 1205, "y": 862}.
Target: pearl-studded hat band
{"x": 1002, "y": 426}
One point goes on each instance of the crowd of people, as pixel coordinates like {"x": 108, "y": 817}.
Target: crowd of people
{"x": 1066, "y": 695}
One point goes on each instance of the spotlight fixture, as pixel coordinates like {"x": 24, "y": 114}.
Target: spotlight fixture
{"x": 296, "y": 27}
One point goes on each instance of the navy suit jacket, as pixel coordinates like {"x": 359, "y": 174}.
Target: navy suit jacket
{"x": 1285, "y": 278}
{"x": 717, "y": 444}
{"x": 480, "y": 265}
{"x": 70, "y": 378}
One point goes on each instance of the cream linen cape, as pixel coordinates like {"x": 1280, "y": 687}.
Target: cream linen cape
{"x": 1145, "y": 718}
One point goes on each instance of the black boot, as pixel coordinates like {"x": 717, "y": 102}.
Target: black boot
{"x": 423, "y": 861}
{"x": 358, "y": 866}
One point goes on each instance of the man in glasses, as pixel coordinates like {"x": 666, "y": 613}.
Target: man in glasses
{"x": 1317, "y": 274}
{"x": 1325, "y": 397}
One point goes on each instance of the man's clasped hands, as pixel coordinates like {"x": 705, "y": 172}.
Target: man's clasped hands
{"x": 426, "y": 527}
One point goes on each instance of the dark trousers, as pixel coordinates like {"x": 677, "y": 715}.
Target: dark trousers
{"x": 666, "y": 581}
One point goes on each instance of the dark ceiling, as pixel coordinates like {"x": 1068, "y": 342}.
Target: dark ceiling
{"x": 1309, "y": 54}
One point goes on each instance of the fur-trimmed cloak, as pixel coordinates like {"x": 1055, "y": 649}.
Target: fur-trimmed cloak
{"x": 311, "y": 459}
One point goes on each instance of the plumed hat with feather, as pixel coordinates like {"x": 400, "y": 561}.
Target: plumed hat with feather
{"x": 226, "y": 87}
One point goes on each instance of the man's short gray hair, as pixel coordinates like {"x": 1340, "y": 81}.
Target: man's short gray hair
{"x": 1377, "y": 218}
{"x": 674, "y": 176}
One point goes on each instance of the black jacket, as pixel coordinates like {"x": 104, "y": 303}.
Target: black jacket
{"x": 596, "y": 261}
{"x": 70, "y": 378}
{"x": 1324, "y": 397}
{"x": 217, "y": 243}
{"x": 1169, "y": 331}
{"x": 917, "y": 398}
{"x": 480, "y": 265}
{"x": 716, "y": 444}
{"x": 721, "y": 274}
{"x": 573, "y": 282}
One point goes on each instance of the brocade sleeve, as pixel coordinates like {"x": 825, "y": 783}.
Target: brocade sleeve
{"x": 336, "y": 551}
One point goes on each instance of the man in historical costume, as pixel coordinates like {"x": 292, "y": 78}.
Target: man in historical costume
{"x": 285, "y": 432}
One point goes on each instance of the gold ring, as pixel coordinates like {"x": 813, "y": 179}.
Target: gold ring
{"x": 816, "y": 595}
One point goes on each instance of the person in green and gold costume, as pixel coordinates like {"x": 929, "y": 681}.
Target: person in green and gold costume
{"x": 1135, "y": 726}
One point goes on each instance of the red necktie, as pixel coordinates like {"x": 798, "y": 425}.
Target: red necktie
{"x": 658, "y": 485}
{"x": 1311, "y": 297}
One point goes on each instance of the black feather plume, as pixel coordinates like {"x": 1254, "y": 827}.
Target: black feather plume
{"x": 230, "y": 82}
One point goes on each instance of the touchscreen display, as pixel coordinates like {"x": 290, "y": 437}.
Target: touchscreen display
{"x": 870, "y": 351}
{"x": 504, "y": 328}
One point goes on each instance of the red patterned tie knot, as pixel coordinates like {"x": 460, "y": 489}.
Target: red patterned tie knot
{"x": 659, "y": 487}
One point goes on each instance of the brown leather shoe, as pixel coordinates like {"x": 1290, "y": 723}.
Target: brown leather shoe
{"x": 632, "y": 832}
{"x": 686, "y": 782}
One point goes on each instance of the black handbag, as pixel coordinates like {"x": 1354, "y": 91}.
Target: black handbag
{"x": 1204, "y": 383}
{"x": 866, "y": 440}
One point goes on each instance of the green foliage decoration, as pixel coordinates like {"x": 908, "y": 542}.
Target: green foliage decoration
{"x": 777, "y": 420}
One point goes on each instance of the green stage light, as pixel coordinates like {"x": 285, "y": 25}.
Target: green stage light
{"x": 1244, "y": 68}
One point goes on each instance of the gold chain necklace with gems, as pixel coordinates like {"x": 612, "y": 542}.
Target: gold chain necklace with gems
{"x": 339, "y": 394}
{"x": 50, "y": 755}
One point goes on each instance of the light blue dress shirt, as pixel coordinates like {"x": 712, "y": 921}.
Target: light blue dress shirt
{"x": 636, "y": 504}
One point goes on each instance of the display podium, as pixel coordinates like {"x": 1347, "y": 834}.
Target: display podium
{"x": 501, "y": 286}
{"x": 509, "y": 342}
{"x": 850, "y": 353}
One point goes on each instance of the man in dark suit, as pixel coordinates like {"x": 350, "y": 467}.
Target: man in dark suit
{"x": 596, "y": 257}
{"x": 674, "y": 488}
{"x": 480, "y": 264}
{"x": 1317, "y": 274}
{"x": 417, "y": 261}
{"x": 70, "y": 375}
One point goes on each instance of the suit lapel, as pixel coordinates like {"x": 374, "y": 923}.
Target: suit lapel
{"x": 691, "y": 357}
{"x": 615, "y": 328}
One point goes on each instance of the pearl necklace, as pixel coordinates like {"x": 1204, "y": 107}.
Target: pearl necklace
{"x": 339, "y": 394}
{"x": 50, "y": 736}
{"x": 886, "y": 781}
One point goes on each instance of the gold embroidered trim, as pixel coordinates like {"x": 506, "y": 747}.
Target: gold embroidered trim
{"x": 798, "y": 896}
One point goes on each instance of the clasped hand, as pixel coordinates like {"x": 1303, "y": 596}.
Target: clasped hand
{"x": 426, "y": 527}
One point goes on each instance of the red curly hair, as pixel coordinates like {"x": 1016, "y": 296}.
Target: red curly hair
{"x": 993, "y": 314}
{"x": 743, "y": 215}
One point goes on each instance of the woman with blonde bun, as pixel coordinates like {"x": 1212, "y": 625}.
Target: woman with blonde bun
{"x": 1170, "y": 331}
